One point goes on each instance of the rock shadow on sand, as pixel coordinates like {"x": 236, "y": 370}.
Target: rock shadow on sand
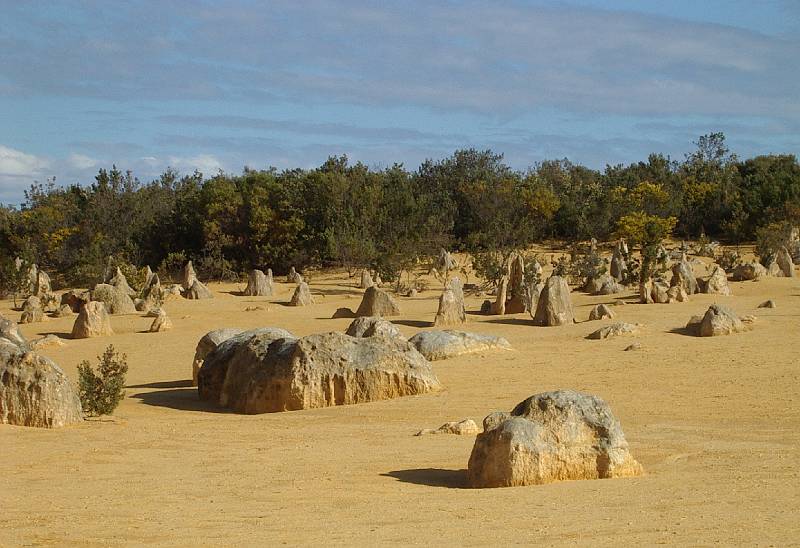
{"x": 183, "y": 399}
{"x": 432, "y": 477}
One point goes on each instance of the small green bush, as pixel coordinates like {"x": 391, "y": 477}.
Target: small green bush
{"x": 101, "y": 392}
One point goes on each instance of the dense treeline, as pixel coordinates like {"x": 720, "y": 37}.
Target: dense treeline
{"x": 389, "y": 218}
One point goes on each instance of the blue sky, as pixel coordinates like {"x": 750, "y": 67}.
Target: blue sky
{"x": 220, "y": 85}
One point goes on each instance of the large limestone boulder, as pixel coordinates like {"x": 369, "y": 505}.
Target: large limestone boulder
{"x": 152, "y": 294}
{"x": 198, "y": 290}
{"x": 366, "y": 279}
{"x": 441, "y": 345}
{"x": 718, "y": 320}
{"x": 209, "y": 342}
{"x": 92, "y": 321}
{"x": 554, "y": 306}
{"x": 259, "y": 284}
{"x": 373, "y": 326}
{"x": 75, "y": 299}
{"x": 9, "y": 333}
{"x": 377, "y": 302}
{"x": 161, "y": 323}
{"x": 618, "y": 266}
{"x": 115, "y": 300}
{"x": 677, "y": 294}
{"x": 263, "y": 375}
{"x": 749, "y": 271}
{"x": 683, "y": 275}
{"x": 294, "y": 277}
{"x": 189, "y": 277}
{"x": 451, "y": 305}
{"x": 302, "y": 295}
{"x": 34, "y": 391}
{"x": 554, "y": 436}
{"x": 717, "y": 282}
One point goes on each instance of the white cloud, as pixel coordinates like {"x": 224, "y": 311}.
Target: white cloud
{"x": 206, "y": 164}
{"x": 81, "y": 161}
{"x": 15, "y": 163}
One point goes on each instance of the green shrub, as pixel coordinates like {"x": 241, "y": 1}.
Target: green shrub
{"x": 770, "y": 239}
{"x": 101, "y": 392}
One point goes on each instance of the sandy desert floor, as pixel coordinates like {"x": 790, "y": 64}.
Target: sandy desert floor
{"x": 715, "y": 422}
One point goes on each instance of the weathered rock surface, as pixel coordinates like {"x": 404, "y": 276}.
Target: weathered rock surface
{"x": 115, "y": 300}
{"x": 9, "y": 333}
{"x": 294, "y": 277}
{"x": 613, "y": 330}
{"x": 440, "y": 345}
{"x": 209, "y": 342}
{"x": 749, "y": 271}
{"x": 783, "y": 261}
{"x": 75, "y": 299}
{"x": 601, "y": 312}
{"x": 677, "y": 294}
{"x": 717, "y": 282}
{"x": 259, "y": 284}
{"x": 377, "y": 302}
{"x": 718, "y": 320}
{"x": 198, "y": 290}
{"x": 466, "y": 427}
{"x": 554, "y": 436}
{"x": 263, "y": 375}
{"x": 121, "y": 283}
{"x": 554, "y": 306}
{"x": 373, "y": 326}
{"x": 343, "y": 312}
{"x": 32, "y": 310}
{"x": 302, "y": 295}
{"x": 47, "y": 340}
{"x": 189, "y": 277}
{"x": 451, "y": 305}
{"x": 92, "y": 321}
{"x": 161, "y": 323}
{"x": 683, "y": 275}
{"x": 618, "y": 266}
{"x": 366, "y": 279}
{"x": 63, "y": 311}
{"x": 34, "y": 391}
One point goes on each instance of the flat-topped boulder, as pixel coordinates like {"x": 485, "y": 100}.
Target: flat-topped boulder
{"x": 554, "y": 306}
{"x": 440, "y": 345}
{"x": 373, "y": 326}
{"x": 554, "y": 436}
{"x": 718, "y": 320}
{"x": 264, "y": 375}
{"x": 34, "y": 391}
{"x": 92, "y": 321}
{"x": 377, "y": 302}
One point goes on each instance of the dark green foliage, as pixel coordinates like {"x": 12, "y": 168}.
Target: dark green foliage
{"x": 389, "y": 220}
{"x": 770, "y": 239}
{"x": 100, "y": 392}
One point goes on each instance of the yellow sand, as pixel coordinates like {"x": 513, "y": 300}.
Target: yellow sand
{"x": 714, "y": 421}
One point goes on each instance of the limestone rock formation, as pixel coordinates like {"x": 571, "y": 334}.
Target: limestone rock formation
{"x": 445, "y": 262}
{"x": 512, "y": 295}
{"x": 343, "y": 312}
{"x": 152, "y": 294}
{"x": 302, "y": 295}
{"x": 209, "y": 342}
{"x": 34, "y": 391}
{"x": 161, "y": 323}
{"x": 259, "y": 284}
{"x": 451, "y": 305}
{"x": 9, "y": 333}
{"x": 47, "y": 340}
{"x": 683, "y": 275}
{"x": 660, "y": 292}
{"x": 75, "y": 299}
{"x": 294, "y": 277}
{"x": 366, "y": 279}
{"x": 441, "y": 345}
{"x": 749, "y": 271}
{"x": 32, "y": 310}
{"x": 784, "y": 264}
{"x": 373, "y": 326}
{"x": 601, "y": 312}
{"x": 116, "y": 300}
{"x": 554, "y": 306}
{"x": 92, "y": 321}
{"x": 717, "y": 282}
{"x": 677, "y": 294}
{"x": 554, "y": 436}
{"x": 263, "y": 375}
{"x": 377, "y": 302}
{"x": 466, "y": 427}
{"x": 498, "y": 307}
{"x": 618, "y": 266}
{"x": 198, "y": 290}
{"x": 121, "y": 283}
{"x": 189, "y": 277}
{"x": 63, "y": 311}
{"x": 613, "y": 330}
{"x": 719, "y": 320}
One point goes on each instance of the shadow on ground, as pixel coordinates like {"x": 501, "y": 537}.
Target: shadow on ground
{"x": 683, "y": 331}
{"x": 413, "y": 323}
{"x": 433, "y": 477}
{"x": 165, "y": 384}
{"x": 184, "y": 399}
{"x": 513, "y": 321}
